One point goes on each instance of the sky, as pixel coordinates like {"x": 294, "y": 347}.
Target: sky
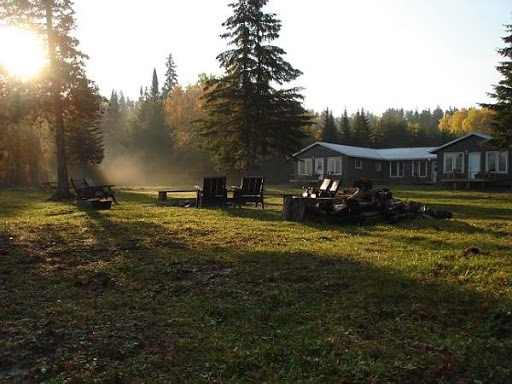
{"x": 371, "y": 54}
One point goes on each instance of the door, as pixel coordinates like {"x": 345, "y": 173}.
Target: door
{"x": 473, "y": 164}
{"x": 319, "y": 166}
{"x": 433, "y": 170}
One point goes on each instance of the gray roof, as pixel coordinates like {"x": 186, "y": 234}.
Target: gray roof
{"x": 391, "y": 154}
{"x": 481, "y": 135}
{"x": 413, "y": 153}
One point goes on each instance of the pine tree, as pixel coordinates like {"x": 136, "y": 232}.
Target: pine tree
{"x": 154, "y": 90}
{"x": 391, "y": 129}
{"x": 362, "y": 130}
{"x": 247, "y": 118}
{"x": 152, "y": 136}
{"x": 329, "y": 132}
{"x": 84, "y": 131}
{"x": 54, "y": 19}
{"x": 502, "y": 125}
{"x": 111, "y": 120}
{"x": 171, "y": 78}
{"x": 345, "y": 130}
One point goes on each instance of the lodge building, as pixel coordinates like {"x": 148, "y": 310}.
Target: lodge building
{"x": 466, "y": 159}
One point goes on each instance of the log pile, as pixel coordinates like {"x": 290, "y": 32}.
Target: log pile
{"x": 360, "y": 207}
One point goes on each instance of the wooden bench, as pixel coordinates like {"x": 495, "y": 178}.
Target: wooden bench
{"x": 162, "y": 195}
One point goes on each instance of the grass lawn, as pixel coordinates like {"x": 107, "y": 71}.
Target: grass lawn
{"x": 150, "y": 294}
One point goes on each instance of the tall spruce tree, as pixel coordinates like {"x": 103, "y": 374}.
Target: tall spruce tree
{"x": 84, "y": 131}
{"x": 247, "y": 118}
{"x": 345, "y": 130}
{"x": 154, "y": 90}
{"x": 362, "y": 130}
{"x": 171, "y": 78}
{"x": 152, "y": 136}
{"x": 502, "y": 125}
{"x": 54, "y": 19}
{"x": 329, "y": 132}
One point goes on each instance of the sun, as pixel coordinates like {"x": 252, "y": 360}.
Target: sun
{"x": 22, "y": 53}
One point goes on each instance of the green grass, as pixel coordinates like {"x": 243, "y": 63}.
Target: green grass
{"x": 150, "y": 294}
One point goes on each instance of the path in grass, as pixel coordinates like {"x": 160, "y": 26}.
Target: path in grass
{"x": 144, "y": 293}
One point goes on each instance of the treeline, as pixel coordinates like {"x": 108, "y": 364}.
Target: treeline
{"x": 399, "y": 127}
{"x": 151, "y": 140}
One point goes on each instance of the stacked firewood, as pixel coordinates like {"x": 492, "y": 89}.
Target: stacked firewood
{"x": 364, "y": 205}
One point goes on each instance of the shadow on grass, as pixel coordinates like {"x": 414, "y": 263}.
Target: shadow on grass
{"x": 15, "y": 202}
{"x": 255, "y": 316}
{"x": 141, "y": 306}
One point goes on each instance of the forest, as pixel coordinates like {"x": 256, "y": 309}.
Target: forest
{"x": 154, "y": 137}
{"x": 173, "y": 131}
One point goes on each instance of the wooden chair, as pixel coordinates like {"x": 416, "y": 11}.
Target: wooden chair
{"x": 82, "y": 190}
{"x": 213, "y": 192}
{"x": 333, "y": 189}
{"x": 250, "y": 191}
{"x": 85, "y": 192}
{"x": 102, "y": 191}
{"x": 318, "y": 191}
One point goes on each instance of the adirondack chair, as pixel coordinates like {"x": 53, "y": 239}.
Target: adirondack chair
{"x": 317, "y": 191}
{"x": 103, "y": 191}
{"x": 332, "y": 190}
{"x": 250, "y": 191}
{"x": 82, "y": 190}
{"x": 213, "y": 192}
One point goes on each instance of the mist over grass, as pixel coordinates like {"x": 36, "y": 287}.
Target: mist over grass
{"x": 139, "y": 169}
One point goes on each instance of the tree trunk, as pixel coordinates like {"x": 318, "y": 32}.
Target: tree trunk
{"x": 62, "y": 191}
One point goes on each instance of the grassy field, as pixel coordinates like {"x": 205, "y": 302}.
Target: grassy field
{"x": 149, "y": 294}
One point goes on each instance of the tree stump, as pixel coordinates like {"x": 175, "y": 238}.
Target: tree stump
{"x": 296, "y": 208}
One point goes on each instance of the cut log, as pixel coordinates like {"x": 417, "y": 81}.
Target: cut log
{"x": 296, "y": 208}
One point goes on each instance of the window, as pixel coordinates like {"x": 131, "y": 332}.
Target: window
{"x": 305, "y": 166}
{"x": 396, "y": 169}
{"x": 496, "y": 162}
{"x": 378, "y": 166}
{"x": 358, "y": 163}
{"x": 419, "y": 168}
{"x": 334, "y": 165}
{"x": 319, "y": 166}
{"x": 453, "y": 162}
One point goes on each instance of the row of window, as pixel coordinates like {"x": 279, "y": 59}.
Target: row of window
{"x": 334, "y": 167}
{"x": 414, "y": 168}
{"x": 495, "y": 162}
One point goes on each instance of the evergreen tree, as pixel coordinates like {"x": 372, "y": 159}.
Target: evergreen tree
{"x": 111, "y": 120}
{"x": 328, "y": 132}
{"x": 362, "y": 130}
{"x": 391, "y": 130}
{"x": 247, "y": 118}
{"x": 151, "y": 134}
{"x": 154, "y": 90}
{"x": 502, "y": 125}
{"x": 54, "y": 19}
{"x": 171, "y": 78}
{"x": 345, "y": 130}
{"x": 84, "y": 131}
